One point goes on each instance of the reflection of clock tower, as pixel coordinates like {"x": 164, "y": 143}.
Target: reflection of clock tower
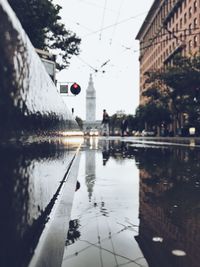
{"x": 90, "y": 102}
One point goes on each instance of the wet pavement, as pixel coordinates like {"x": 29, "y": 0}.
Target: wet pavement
{"x": 31, "y": 179}
{"x": 138, "y": 205}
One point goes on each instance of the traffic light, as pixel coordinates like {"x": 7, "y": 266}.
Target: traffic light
{"x": 75, "y": 89}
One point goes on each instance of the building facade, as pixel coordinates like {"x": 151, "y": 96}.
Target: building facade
{"x": 170, "y": 27}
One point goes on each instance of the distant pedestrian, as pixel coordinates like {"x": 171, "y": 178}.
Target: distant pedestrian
{"x": 105, "y": 123}
{"x": 124, "y": 125}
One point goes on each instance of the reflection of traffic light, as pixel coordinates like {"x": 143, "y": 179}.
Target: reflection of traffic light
{"x": 75, "y": 89}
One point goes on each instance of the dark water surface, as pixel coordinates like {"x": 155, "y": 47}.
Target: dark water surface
{"x": 137, "y": 205}
{"x": 30, "y": 176}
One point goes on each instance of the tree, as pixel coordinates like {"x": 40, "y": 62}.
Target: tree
{"x": 153, "y": 114}
{"x": 116, "y": 120}
{"x": 179, "y": 85}
{"x": 41, "y": 21}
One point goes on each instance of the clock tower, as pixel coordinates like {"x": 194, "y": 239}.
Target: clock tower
{"x": 90, "y": 102}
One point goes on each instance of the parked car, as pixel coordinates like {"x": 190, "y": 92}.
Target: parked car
{"x": 137, "y": 133}
{"x": 93, "y": 132}
{"x": 148, "y": 133}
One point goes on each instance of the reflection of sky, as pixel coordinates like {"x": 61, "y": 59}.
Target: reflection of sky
{"x": 162, "y": 182}
{"x": 44, "y": 179}
{"x": 109, "y": 222}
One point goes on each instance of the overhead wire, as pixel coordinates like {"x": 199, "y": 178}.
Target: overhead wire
{"x": 96, "y": 70}
{"x": 125, "y": 20}
{"x": 159, "y": 42}
{"x": 117, "y": 19}
{"x": 113, "y": 25}
{"x": 97, "y": 6}
{"x": 130, "y": 48}
{"x": 171, "y": 32}
{"x": 103, "y": 17}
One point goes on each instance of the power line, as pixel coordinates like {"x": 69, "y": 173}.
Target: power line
{"x": 97, "y": 6}
{"x": 191, "y": 34}
{"x": 103, "y": 17}
{"x": 94, "y": 69}
{"x": 171, "y": 33}
{"x": 113, "y": 25}
{"x": 117, "y": 19}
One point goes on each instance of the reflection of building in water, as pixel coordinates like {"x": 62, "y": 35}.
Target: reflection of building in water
{"x": 90, "y": 167}
{"x": 169, "y": 211}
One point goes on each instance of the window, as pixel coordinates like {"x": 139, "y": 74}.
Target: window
{"x": 195, "y": 23}
{"x": 190, "y": 12}
{"x": 195, "y": 5}
{"x": 195, "y": 41}
{"x": 180, "y": 9}
{"x": 185, "y": 17}
{"x": 190, "y": 45}
{"x": 181, "y": 23}
{"x": 190, "y": 28}
{"x": 176, "y": 14}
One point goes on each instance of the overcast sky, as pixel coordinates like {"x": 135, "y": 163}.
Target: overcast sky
{"x": 108, "y": 29}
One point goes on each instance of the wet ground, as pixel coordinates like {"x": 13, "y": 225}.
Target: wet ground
{"x": 137, "y": 205}
{"x": 31, "y": 177}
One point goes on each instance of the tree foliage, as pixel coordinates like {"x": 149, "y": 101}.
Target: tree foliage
{"x": 179, "y": 85}
{"x": 153, "y": 114}
{"x": 42, "y": 23}
{"x": 116, "y": 120}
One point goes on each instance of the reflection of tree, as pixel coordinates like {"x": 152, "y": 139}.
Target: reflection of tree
{"x": 118, "y": 150}
{"x": 73, "y": 233}
{"x": 169, "y": 205}
{"x": 168, "y": 164}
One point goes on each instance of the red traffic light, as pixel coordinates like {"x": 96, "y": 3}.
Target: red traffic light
{"x": 75, "y": 89}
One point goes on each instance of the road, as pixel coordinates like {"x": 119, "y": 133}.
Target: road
{"x": 137, "y": 205}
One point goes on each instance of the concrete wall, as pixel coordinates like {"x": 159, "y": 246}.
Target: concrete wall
{"x": 29, "y": 100}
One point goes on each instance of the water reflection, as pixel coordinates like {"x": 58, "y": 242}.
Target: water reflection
{"x": 107, "y": 224}
{"x": 73, "y": 232}
{"x": 90, "y": 167}
{"x": 30, "y": 176}
{"x": 168, "y": 231}
{"x": 105, "y": 152}
{"x": 169, "y": 205}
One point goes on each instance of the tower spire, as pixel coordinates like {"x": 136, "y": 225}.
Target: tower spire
{"x": 90, "y": 84}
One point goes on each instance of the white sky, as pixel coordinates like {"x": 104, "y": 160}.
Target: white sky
{"x": 117, "y": 88}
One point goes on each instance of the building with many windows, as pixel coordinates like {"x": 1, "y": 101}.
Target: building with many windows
{"x": 170, "y": 27}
